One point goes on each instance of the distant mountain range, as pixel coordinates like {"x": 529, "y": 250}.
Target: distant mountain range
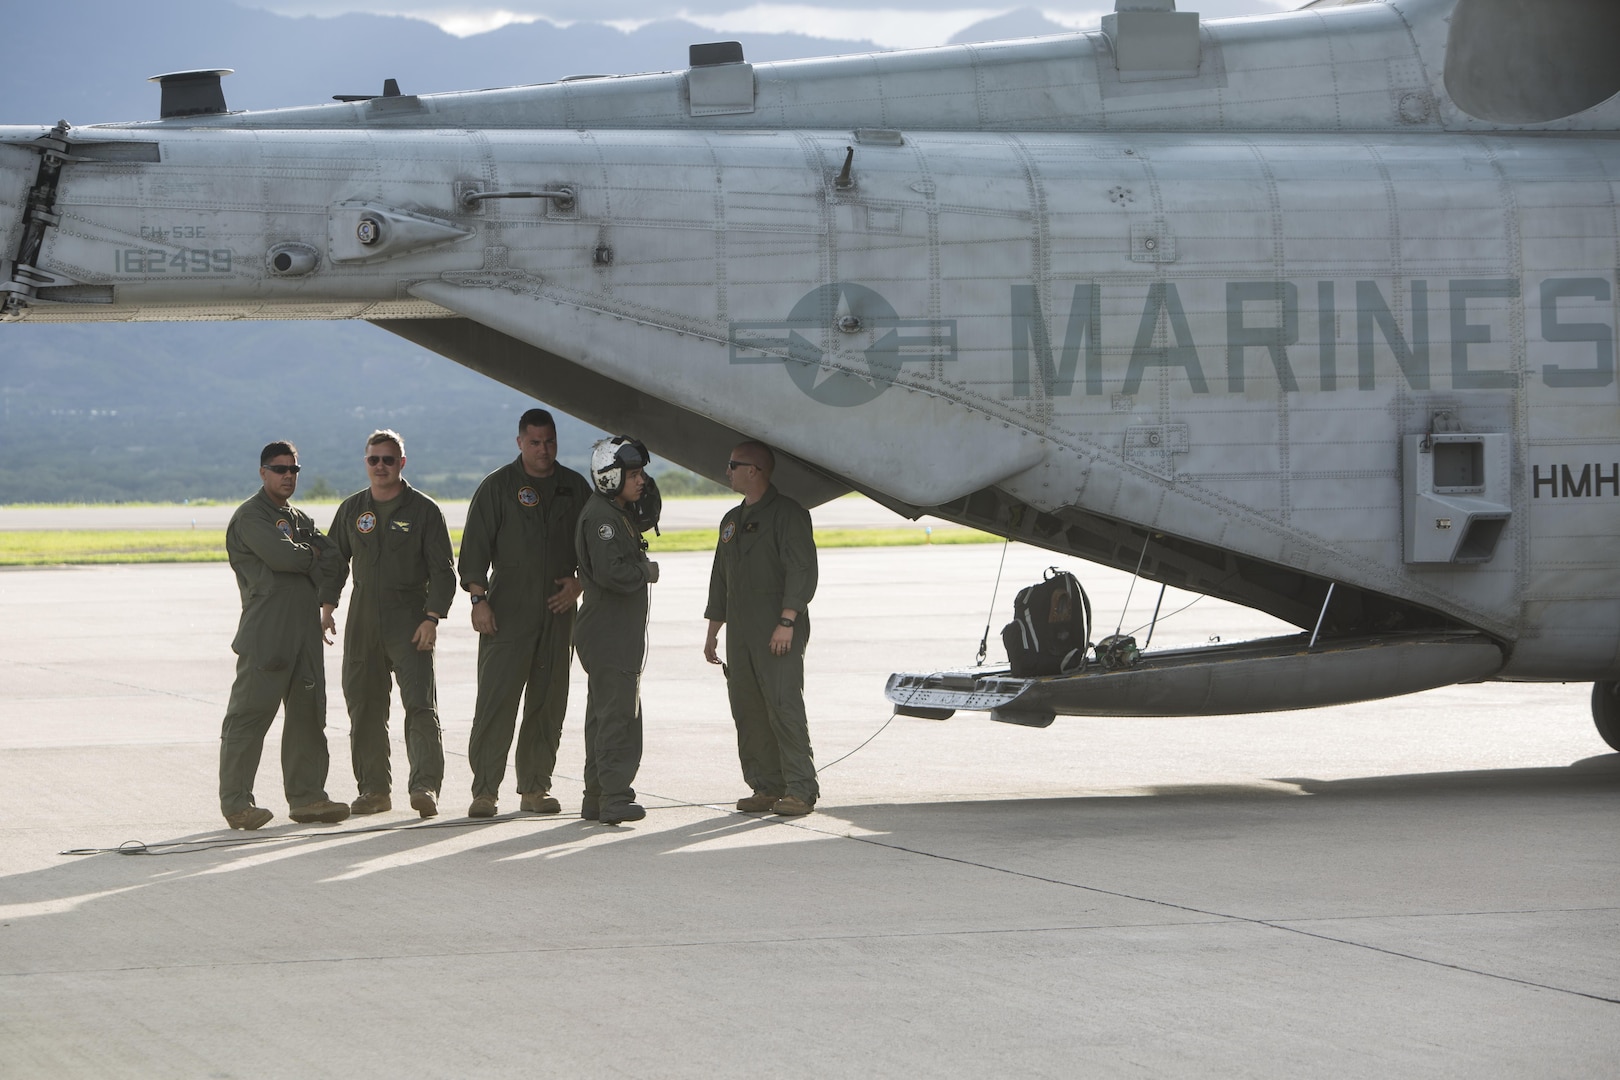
{"x": 166, "y": 412}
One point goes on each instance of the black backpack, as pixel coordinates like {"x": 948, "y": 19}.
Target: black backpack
{"x": 1051, "y": 627}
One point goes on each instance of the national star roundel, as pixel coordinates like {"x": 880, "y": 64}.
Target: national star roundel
{"x": 528, "y": 496}
{"x": 366, "y": 522}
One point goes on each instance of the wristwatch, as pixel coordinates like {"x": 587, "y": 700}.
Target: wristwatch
{"x": 479, "y": 598}
{"x": 785, "y": 622}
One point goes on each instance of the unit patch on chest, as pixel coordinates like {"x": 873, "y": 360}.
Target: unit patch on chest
{"x": 400, "y": 526}
{"x": 284, "y": 527}
{"x": 528, "y": 496}
{"x": 605, "y": 531}
{"x": 728, "y": 531}
{"x": 366, "y": 522}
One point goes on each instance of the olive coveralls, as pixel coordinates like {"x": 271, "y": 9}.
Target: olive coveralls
{"x": 765, "y": 563}
{"x": 400, "y": 550}
{"x": 523, "y": 527}
{"x": 278, "y": 555}
{"x": 612, "y": 640}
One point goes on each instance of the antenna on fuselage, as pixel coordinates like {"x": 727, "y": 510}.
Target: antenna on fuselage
{"x": 845, "y": 180}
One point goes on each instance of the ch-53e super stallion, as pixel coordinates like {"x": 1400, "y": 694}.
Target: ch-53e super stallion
{"x": 1314, "y": 312}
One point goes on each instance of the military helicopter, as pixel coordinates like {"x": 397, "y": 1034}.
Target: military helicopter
{"x": 1313, "y": 312}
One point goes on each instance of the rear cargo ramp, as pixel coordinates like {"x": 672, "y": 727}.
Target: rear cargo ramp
{"x": 1268, "y": 675}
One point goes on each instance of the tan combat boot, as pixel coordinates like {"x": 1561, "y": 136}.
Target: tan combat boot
{"x": 792, "y": 806}
{"x": 541, "y": 802}
{"x": 371, "y": 802}
{"x": 326, "y": 812}
{"x": 251, "y": 818}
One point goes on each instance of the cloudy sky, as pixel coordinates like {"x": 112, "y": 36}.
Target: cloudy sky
{"x": 891, "y": 23}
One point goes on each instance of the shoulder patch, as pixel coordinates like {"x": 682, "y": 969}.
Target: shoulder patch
{"x": 528, "y": 496}
{"x": 366, "y": 522}
{"x": 727, "y": 531}
{"x": 605, "y": 531}
{"x": 285, "y": 527}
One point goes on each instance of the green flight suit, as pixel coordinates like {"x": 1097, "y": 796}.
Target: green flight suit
{"x": 522, "y": 527}
{"x": 765, "y": 563}
{"x": 403, "y": 568}
{"x": 278, "y": 555}
{"x": 612, "y": 639}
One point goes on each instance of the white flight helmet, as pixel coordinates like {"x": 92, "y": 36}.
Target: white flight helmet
{"x": 612, "y": 458}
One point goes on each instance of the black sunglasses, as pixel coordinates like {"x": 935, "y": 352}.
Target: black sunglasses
{"x": 381, "y": 459}
{"x": 283, "y": 470}
{"x": 740, "y": 465}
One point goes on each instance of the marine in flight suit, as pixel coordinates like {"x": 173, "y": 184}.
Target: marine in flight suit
{"x": 518, "y": 564}
{"x": 278, "y": 556}
{"x": 760, "y": 587}
{"x": 396, "y": 540}
{"x": 612, "y": 631}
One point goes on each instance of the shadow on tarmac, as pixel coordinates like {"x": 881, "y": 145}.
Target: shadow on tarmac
{"x": 461, "y": 904}
{"x": 1598, "y": 773}
{"x": 294, "y": 855}
{"x": 1400, "y": 925}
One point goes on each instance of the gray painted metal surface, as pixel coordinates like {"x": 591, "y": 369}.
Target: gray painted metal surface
{"x": 1263, "y": 311}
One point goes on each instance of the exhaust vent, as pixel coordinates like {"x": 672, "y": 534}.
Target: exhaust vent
{"x": 191, "y": 93}
{"x": 714, "y": 52}
{"x": 1152, "y": 40}
{"x": 720, "y": 82}
{"x": 1515, "y": 62}
{"x": 292, "y": 260}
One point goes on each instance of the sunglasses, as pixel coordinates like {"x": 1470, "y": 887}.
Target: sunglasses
{"x": 283, "y": 470}
{"x": 730, "y": 465}
{"x": 381, "y": 459}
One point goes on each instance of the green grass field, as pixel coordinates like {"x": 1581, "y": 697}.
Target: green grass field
{"x": 89, "y": 546}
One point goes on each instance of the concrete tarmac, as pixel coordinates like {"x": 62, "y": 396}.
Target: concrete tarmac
{"x": 1419, "y": 887}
